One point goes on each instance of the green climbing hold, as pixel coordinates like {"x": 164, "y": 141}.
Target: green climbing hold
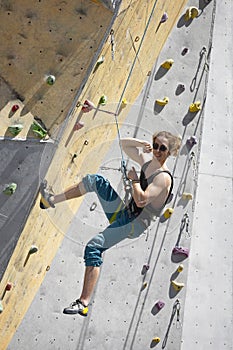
{"x": 103, "y": 100}
{"x": 10, "y": 189}
{"x": 15, "y": 129}
{"x": 50, "y": 79}
{"x": 39, "y": 130}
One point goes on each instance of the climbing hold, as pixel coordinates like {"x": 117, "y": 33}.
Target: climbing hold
{"x": 191, "y": 141}
{"x": 191, "y": 12}
{"x": 124, "y": 103}
{"x": 167, "y": 64}
{"x": 8, "y": 286}
{"x": 100, "y": 60}
{"x": 78, "y": 126}
{"x": 93, "y": 206}
{"x": 38, "y": 130}
{"x": 144, "y": 285}
{"x": 33, "y": 250}
{"x": 88, "y": 106}
{"x": 187, "y": 196}
{"x": 7, "y": 289}
{"x": 146, "y": 267}
{"x": 181, "y": 87}
{"x": 184, "y": 51}
{"x": 180, "y": 268}
{"x": 163, "y": 102}
{"x": 86, "y": 142}
{"x": 10, "y": 189}
{"x": 14, "y": 108}
{"x": 159, "y": 304}
{"x": 73, "y": 157}
{"x": 50, "y": 80}
{"x": 1, "y": 307}
{"x": 137, "y": 39}
{"x": 15, "y": 129}
{"x": 164, "y": 17}
{"x": 180, "y": 250}
{"x": 177, "y": 285}
{"x": 102, "y": 100}
{"x": 195, "y": 107}
{"x": 168, "y": 212}
{"x": 156, "y": 340}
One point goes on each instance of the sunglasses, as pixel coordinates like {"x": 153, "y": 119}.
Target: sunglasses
{"x": 162, "y": 148}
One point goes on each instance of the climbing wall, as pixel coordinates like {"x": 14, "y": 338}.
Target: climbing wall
{"x": 136, "y": 305}
{"x": 133, "y": 35}
{"x": 42, "y": 41}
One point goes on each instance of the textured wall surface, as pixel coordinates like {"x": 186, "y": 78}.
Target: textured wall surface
{"x": 122, "y": 312}
{"x": 129, "y": 51}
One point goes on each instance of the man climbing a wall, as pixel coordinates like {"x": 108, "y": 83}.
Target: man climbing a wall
{"x": 150, "y": 193}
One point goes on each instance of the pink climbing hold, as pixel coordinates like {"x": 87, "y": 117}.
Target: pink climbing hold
{"x": 191, "y": 141}
{"x": 14, "y": 108}
{"x": 78, "y": 126}
{"x": 159, "y": 304}
{"x": 164, "y": 18}
{"x": 88, "y": 106}
{"x": 180, "y": 250}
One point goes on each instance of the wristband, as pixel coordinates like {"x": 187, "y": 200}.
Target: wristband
{"x": 135, "y": 181}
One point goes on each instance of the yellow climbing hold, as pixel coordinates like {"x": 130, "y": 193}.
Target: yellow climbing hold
{"x": 177, "y": 285}
{"x": 191, "y": 12}
{"x": 187, "y": 196}
{"x": 195, "y": 107}
{"x": 168, "y": 212}
{"x": 167, "y": 64}
{"x": 180, "y": 268}
{"x": 156, "y": 340}
{"x": 163, "y": 102}
{"x": 124, "y": 102}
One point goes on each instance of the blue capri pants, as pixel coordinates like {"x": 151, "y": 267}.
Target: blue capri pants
{"x": 122, "y": 223}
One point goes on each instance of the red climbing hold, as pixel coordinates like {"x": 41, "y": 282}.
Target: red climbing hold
{"x": 88, "y": 106}
{"x": 14, "y": 108}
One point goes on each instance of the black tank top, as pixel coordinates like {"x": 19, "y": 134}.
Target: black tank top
{"x": 144, "y": 183}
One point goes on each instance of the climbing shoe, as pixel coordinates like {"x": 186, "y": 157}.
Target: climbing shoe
{"x": 45, "y": 200}
{"x": 77, "y": 307}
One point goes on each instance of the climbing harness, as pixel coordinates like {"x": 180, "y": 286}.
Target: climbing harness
{"x": 175, "y": 311}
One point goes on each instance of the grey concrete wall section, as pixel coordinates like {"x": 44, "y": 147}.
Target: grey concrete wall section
{"x": 23, "y": 163}
{"x": 208, "y": 307}
{"x": 122, "y": 313}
